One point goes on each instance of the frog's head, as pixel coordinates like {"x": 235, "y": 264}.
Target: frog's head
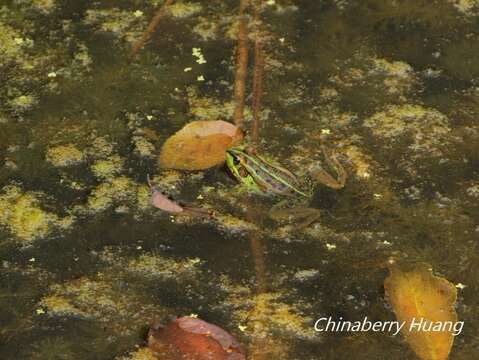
{"x": 238, "y": 161}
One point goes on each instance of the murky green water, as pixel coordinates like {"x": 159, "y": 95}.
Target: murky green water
{"x": 88, "y": 264}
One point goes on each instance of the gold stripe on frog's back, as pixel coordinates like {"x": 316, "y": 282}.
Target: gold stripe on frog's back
{"x": 273, "y": 177}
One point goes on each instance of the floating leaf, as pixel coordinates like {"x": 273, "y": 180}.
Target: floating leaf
{"x": 417, "y": 295}
{"x": 160, "y": 201}
{"x": 199, "y": 145}
{"x": 194, "y": 339}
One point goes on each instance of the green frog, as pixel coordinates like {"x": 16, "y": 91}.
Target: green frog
{"x": 263, "y": 175}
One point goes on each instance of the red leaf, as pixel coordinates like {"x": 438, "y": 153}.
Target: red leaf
{"x": 189, "y": 338}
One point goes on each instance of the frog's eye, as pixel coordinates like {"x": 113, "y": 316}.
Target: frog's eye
{"x": 236, "y": 161}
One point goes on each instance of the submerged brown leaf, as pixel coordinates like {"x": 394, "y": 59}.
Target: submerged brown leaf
{"x": 199, "y": 145}
{"x": 162, "y": 202}
{"x": 189, "y": 338}
{"x": 419, "y": 297}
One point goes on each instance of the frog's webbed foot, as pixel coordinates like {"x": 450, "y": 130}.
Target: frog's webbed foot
{"x": 321, "y": 175}
{"x": 302, "y": 216}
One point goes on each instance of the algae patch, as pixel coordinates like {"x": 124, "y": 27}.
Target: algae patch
{"x": 425, "y": 129}
{"x": 12, "y": 43}
{"x": 108, "y": 168}
{"x": 64, "y": 155}
{"x": 101, "y": 299}
{"x": 183, "y": 10}
{"x": 207, "y": 108}
{"x": 398, "y": 76}
{"x": 23, "y": 102}
{"x": 270, "y": 322}
{"x": 45, "y": 6}
{"x": 122, "y": 23}
{"x": 143, "y": 147}
{"x": 466, "y": 7}
{"x": 22, "y": 215}
{"x": 157, "y": 266}
{"x": 106, "y": 194}
{"x": 140, "y": 354}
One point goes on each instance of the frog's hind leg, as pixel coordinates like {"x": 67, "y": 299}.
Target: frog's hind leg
{"x": 302, "y": 216}
{"x": 324, "y": 177}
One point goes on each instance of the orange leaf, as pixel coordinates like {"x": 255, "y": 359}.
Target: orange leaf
{"x": 199, "y": 145}
{"x": 417, "y": 295}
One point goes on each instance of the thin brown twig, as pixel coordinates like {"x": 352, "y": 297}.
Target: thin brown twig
{"x": 258, "y": 70}
{"x": 241, "y": 65}
{"x": 259, "y": 263}
{"x": 151, "y": 28}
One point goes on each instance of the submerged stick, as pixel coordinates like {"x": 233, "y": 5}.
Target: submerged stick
{"x": 151, "y": 28}
{"x": 258, "y": 70}
{"x": 241, "y": 65}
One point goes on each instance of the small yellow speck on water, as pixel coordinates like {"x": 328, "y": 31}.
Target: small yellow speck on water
{"x": 330, "y": 246}
{"x": 149, "y": 117}
{"x": 242, "y": 328}
{"x": 200, "y": 78}
{"x": 31, "y": 259}
{"x": 40, "y": 311}
{"x": 186, "y": 69}
{"x": 281, "y": 40}
{"x": 197, "y": 53}
{"x": 200, "y": 197}
{"x": 193, "y": 316}
{"x": 19, "y": 41}
{"x": 52, "y": 74}
{"x": 377, "y": 196}
{"x": 139, "y": 248}
{"x": 270, "y": 2}
{"x": 325, "y": 131}
{"x": 461, "y": 286}
{"x": 138, "y": 13}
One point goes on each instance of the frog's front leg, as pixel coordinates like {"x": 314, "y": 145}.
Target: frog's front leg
{"x": 303, "y": 216}
{"x": 321, "y": 175}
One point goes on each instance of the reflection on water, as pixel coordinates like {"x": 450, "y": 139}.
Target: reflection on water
{"x": 88, "y": 264}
